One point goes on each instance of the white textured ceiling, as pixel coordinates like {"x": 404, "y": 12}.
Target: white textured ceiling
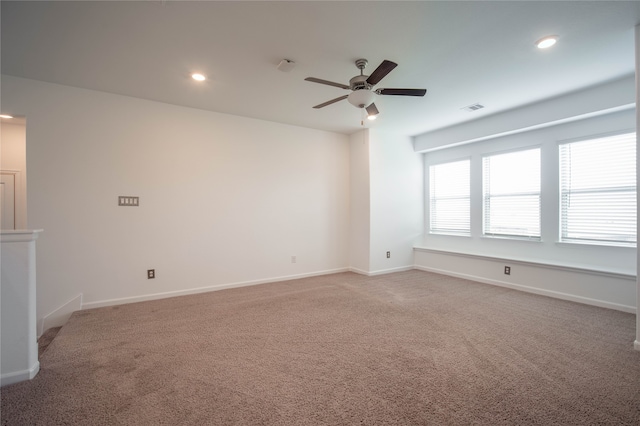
{"x": 462, "y": 52}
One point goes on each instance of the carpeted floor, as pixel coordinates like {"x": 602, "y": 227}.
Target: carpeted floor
{"x": 45, "y": 340}
{"x": 410, "y": 348}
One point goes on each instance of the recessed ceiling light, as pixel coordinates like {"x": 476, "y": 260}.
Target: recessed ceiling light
{"x": 198, "y": 77}
{"x": 546, "y": 42}
{"x": 6, "y": 116}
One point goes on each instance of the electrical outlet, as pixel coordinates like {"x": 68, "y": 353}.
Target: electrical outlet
{"x": 388, "y": 255}
{"x": 151, "y": 274}
{"x": 293, "y": 259}
{"x": 507, "y": 270}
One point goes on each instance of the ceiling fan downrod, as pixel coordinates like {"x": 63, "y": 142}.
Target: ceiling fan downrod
{"x": 359, "y": 82}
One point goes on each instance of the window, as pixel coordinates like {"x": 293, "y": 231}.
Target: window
{"x": 598, "y": 190}
{"x": 511, "y": 194}
{"x": 449, "y": 198}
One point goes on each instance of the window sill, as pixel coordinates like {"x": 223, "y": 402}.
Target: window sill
{"x": 531, "y": 262}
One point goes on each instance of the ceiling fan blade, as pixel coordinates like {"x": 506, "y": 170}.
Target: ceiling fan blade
{"x": 383, "y": 69}
{"x": 332, "y": 101}
{"x": 329, "y": 83}
{"x": 402, "y": 92}
{"x": 372, "y": 110}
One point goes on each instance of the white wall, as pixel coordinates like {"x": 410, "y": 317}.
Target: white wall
{"x": 386, "y": 202}
{"x": 581, "y": 104}
{"x": 360, "y": 202}
{"x": 598, "y": 275}
{"x": 396, "y": 201}
{"x": 224, "y": 200}
{"x": 605, "y": 289}
{"x": 13, "y": 157}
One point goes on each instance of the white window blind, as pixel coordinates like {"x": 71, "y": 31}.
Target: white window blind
{"x": 511, "y": 194}
{"x": 598, "y": 190}
{"x": 449, "y": 198}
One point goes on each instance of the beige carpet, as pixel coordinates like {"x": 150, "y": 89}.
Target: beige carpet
{"x": 410, "y": 348}
{"x": 45, "y": 340}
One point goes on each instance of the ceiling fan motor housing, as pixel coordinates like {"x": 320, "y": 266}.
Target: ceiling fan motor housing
{"x": 359, "y": 82}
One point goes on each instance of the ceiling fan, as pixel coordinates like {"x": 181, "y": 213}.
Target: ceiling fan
{"x": 361, "y": 86}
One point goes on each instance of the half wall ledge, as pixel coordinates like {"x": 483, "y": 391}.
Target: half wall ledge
{"x": 19, "y": 342}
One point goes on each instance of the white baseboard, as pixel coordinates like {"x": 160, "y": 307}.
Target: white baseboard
{"x": 20, "y": 376}
{"x": 636, "y": 345}
{"x": 60, "y": 316}
{"x": 382, "y": 271}
{"x": 391, "y": 270}
{"x": 543, "y": 292}
{"x": 156, "y": 296}
{"x": 359, "y": 271}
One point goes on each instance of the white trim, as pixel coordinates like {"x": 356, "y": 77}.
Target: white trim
{"x": 382, "y": 271}
{"x": 550, "y": 293}
{"x": 391, "y": 270}
{"x": 20, "y": 376}
{"x": 540, "y": 264}
{"x": 156, "y": 296}
{"x": 61, "y": 315}
{"x": 359, "y": 271}
{"x": 19, "y": 235}
{"x": 636, "y": 345}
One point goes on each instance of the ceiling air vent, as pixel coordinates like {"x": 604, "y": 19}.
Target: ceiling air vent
{"x": 473, "y": 107}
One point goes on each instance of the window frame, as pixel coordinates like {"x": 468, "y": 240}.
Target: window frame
{"x": 486, "y": 201}
{"x": 562, "y": 239}
{"x": 442, "y": 231}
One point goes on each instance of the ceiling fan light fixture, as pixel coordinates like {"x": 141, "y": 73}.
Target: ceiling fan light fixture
{"x": 372, "y": 112}
{"x": 360, "y": 98}
{"x": 546, "y": 42}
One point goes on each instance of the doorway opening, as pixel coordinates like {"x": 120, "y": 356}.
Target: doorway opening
{"x": 13, "y": 172}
